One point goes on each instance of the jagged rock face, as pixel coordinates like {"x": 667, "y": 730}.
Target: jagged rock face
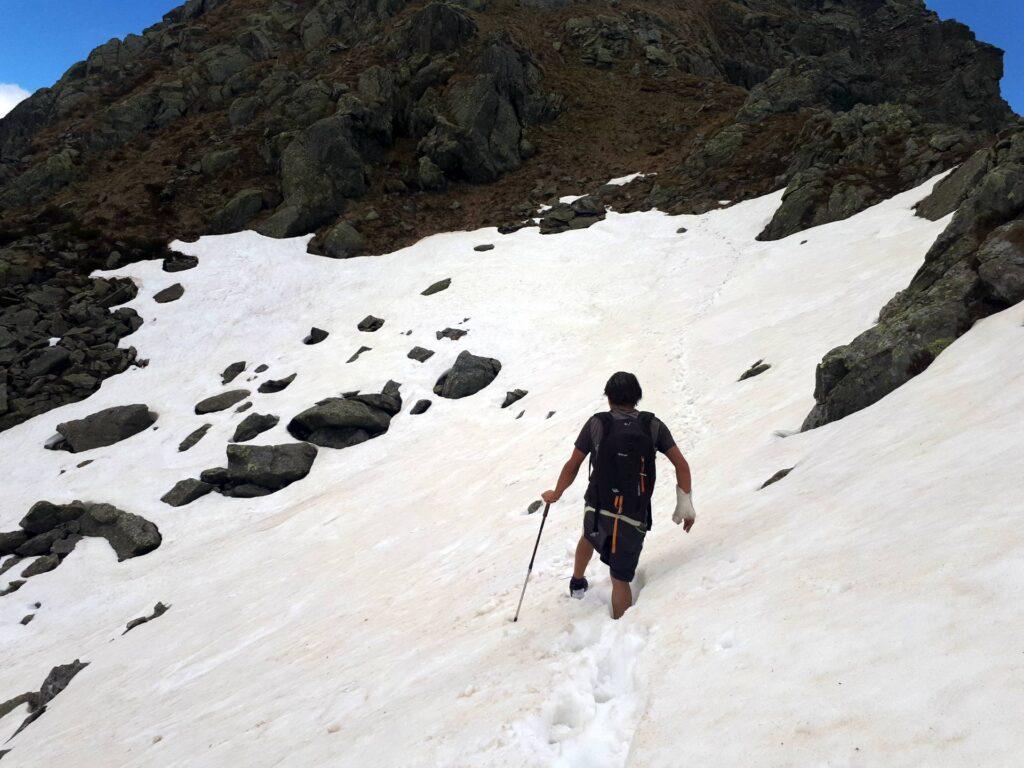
{"x": 975, "y": 268}
{"x": 385, "y": 116}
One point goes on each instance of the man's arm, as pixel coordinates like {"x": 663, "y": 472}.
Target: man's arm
{"x": 566, "y": 476}
{"x": 683, "y": 479}
{"x": 684, "y": 487}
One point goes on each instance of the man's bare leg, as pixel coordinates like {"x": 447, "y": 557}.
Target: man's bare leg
{"x": 622, "y": 597}
{"x": 584, "y": 551}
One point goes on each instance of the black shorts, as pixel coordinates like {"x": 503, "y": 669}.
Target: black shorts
{"x": 622, "y": 563}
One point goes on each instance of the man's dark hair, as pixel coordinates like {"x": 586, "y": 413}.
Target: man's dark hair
{"x": 623, "y": 389}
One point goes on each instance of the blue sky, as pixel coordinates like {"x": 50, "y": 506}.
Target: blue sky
{"x": 39, "y": 39}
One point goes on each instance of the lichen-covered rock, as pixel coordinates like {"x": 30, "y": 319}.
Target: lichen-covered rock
{"x": 339, "y": 422}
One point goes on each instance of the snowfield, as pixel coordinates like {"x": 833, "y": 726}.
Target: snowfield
{"x": 863, "y": 611}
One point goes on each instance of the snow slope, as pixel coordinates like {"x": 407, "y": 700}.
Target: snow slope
{"x": 863, "y": 611}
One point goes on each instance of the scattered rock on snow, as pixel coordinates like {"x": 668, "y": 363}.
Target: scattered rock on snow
{"x": 185, "y": 492}
{"x": 756, "y": 369}
{"x": 437, "y": 287}
{"x": 261, "y": 367}
{"x": 420, "y": 354}
{"x": 244, "y": 407}
{"x": 316, "y": 335}
{"x": 272, "y": 386}
{"x": 468, "y": 376}
{"x": 158, "y": 610}
{"x": 169, "y": 294}
{"x": 253, "y": 425}
{"x": 514, "y": 396}
{"x": 451, "y": 333}
{"x": 357, "y": 353}
{"x": 534, "y": 506}
{"x": 179, "y": 262}
{"x": 369, "y": 324}
{"x": 194, "y": 437}
{"x": 484, "y": 247}
{"x": 776, "y": 477}
{"x": 41, "y": 564}
{"x": 221, "y": 402}
{"x": 56, "y": 681}
{"x": 106, "y": 427}
{"x": 421, "y": 406}
{"x": 232, "y": 371}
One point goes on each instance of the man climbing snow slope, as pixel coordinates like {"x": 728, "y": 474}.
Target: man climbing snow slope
{"x": 617, "y": 504}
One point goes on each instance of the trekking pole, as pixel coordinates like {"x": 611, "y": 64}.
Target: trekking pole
{"x": 529, "y": 568}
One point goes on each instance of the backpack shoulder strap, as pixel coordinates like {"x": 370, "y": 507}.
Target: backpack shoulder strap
{"x": 600, "y": 424}
{"x": 651, "y": 423}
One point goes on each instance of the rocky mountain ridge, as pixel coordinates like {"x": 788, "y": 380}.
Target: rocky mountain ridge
{"x": 377, "y": 123}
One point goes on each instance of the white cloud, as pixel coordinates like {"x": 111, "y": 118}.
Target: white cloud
{"x": 10, "y": 95}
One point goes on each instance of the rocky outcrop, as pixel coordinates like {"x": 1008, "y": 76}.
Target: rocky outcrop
{"x": 853, "y": 160}
{"x": 51, "y": 531}
{"x": 974, "y": 269}
{"x": 106, "y": 427}
{"x": 259, "y": 470}
{"x": 340, "y": 422}
{"x": 468, "y": 376}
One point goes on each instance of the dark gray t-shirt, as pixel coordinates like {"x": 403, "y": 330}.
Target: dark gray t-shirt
{"x": 591, "y": 431}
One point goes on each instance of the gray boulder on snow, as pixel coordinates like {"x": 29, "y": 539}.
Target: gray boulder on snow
{"x": 370, "y": 324}
{"x": 253, "y": 425}
{"x": 339, "y": 422}
{"x": 185, "y": 492}
{"x": 169, "y": 294}
{"x": 221, "y": 402}
{"x": 102, "y": 428}
{"x": 272, "y": 386}
{"x": 232, "y": 371}
{"x": 261, "y": 468}
{"x": 467, "y": 376}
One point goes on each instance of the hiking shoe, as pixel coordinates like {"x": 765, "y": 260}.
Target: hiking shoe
{"x": 578, "y": 588}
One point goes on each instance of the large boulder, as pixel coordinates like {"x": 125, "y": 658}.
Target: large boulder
{"x": 261, "y": 469}
{"x": 102, "y": 428}
{"x": 339, "y": 422}
{"x": 468, "y": 376}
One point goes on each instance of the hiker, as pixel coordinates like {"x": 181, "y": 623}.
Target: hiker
{"x": 617, "y": 505}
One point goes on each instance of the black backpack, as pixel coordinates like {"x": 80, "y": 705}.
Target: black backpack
{"x": 622, "y": 475}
